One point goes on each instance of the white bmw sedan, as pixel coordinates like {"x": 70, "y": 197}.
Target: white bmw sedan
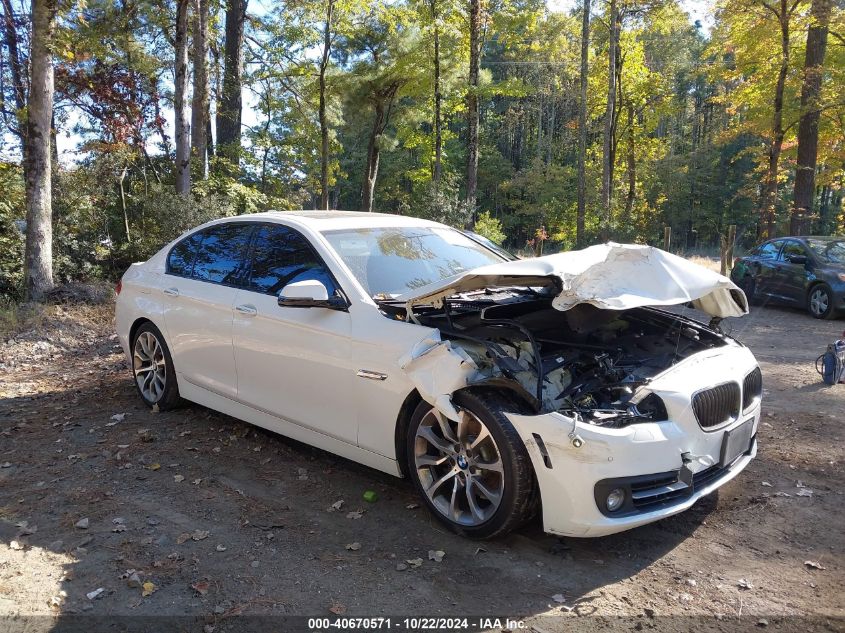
{"x": 557, "y": 385}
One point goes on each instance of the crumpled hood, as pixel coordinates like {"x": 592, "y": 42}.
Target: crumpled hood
{"x": 609, "y": 276}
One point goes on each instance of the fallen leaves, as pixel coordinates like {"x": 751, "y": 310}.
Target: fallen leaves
{"x": 196, "y": 535}
{"x": 813, "y": 564}
{"x": 415, "y": 562}
{"x": 148, "y": 589}
{"x": 338, "y": 609}
{"x": 201, "y": 587}
{"x": 355, "y": 514}
{"x": 133, "y": 579}
{"x": 353, "y": 547}
{"x": 436, "y": 555}
{"x": 58, "y": 600}
{"x": 178, "y": 478}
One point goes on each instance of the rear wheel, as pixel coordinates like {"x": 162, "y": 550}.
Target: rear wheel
{"x": 152, "y": 367}
{"x": 820, "y": 302}
{"x": 474, "y": 474}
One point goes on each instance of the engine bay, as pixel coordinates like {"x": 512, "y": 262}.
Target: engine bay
{"x": 590, "y": 363}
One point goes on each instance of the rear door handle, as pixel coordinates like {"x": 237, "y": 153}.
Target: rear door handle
{"x": 247, "y": 310}
{"x": 171, "y": 292}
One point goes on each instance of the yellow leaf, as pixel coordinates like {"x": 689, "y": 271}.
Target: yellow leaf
{"x": 149, "y": 589}
{"x": 155, "y": 466}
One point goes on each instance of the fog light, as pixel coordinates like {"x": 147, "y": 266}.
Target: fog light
{"x": 615, "y": 499}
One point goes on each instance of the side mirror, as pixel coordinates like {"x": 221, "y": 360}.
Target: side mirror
{"x": 309, "y": 294}
{"x": 798, "y": 259}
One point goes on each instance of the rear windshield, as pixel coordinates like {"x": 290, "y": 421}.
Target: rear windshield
{"x": 831, "y": 251}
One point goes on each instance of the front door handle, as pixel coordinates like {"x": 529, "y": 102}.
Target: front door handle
{"x": 247, "y": 310}
{"x": 171, "y": 292}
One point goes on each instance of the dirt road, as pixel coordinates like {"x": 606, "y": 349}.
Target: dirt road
{"x": 225, "y": 520}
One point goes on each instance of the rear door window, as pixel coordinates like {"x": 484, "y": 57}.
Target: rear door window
{"x": 220, "y": 255}
{"x": 180, "y": 261}
{"x": 280, "y": 256}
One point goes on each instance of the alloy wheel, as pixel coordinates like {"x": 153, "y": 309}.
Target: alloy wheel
{"x": 149, "y": 366}
{"x": 459, "y": 467}
{"x": 819, "y": 301}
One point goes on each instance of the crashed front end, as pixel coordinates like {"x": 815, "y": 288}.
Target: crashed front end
{"x": 596, "y": 480}
{"x": 629, "y": 414}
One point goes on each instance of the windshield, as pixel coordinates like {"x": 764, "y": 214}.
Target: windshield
{"x": 831, "y": 251}
{"x": 393, "y": 260}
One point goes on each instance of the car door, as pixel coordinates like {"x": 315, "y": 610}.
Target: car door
{"x": 293, "y": 362}
{"x": 198, "y": 292}
{"x": 792, "y": 276}
{"x": 764, "y": 268}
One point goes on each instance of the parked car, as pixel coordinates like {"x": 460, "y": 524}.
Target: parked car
{"x": 807, "y": 272}
{"x": 500, "y": 388}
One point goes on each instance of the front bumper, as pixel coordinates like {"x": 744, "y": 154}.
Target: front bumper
{"x": 572, "y": 460}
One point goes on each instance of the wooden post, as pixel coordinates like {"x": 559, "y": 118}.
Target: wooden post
{"x": 727, "y": 250}
{"x": 667, "y": 238}
{"x": 731, "y": 242}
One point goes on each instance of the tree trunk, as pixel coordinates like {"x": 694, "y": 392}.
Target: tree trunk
{"x": 373, "y": 154}
{"x": 182, "y": 127}
{"x": 438, "y": 135}
{"x": 229, "y": 105}
{"x": 808, "y": 129}
{"x": 472, "y": 103}
{"x": 610, "y": 112}
{"x": 632, "y": 168}
{"x": 122, "y": 190}
{"x": 582, "y": 125}
{"x": 768, "y": 206}
{"x": 38, "y": 261}
{"x": 199, "y": 104}
{"x": 324, "y": 125}
{"x": 17, "y": 71}
{"x": 383, "y": 104}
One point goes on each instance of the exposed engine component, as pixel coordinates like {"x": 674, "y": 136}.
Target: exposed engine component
{"x": 588, "y": 363}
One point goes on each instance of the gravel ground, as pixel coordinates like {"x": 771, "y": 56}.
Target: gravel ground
{"x": 194, "y": 513}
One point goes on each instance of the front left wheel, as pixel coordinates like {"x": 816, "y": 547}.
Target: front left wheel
{"x": 152, "y": 367}
{"x": 474, "y": 475}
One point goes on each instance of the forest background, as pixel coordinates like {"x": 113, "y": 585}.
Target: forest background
{"x": 543, "y": 126}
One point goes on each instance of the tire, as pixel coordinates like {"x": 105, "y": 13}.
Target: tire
{"x": 473, "y": 501}
{"x": 820, "y": 302}
{"x": 152, "y": 369}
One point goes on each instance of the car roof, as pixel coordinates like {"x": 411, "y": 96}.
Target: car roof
{"x": 337, "y": 220}
{"x": 822, "y": 238}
